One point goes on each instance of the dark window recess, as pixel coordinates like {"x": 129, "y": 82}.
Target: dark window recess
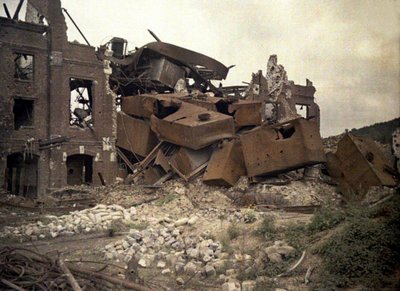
{"x": 23, "y": 113}
{"x": 21, "y": 174}
{"x": 23, "y": 66}
{"x": 81, "y": 103}
{"x": 79, "y": 169}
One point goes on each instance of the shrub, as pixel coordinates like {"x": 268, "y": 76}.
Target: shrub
{"x": 233, "y": 231}
{"x": 325, "y": 218}
{"x": 366, "y": 250}
{"x": 267, "y": 227}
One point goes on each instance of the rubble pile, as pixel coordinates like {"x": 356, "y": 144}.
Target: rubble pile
{"x": 167, "y": 249}
{"x": 98, "y": 218}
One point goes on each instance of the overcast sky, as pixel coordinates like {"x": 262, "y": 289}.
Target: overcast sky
{"x": 349, "y": 49}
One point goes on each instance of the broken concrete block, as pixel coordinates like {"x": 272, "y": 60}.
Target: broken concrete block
{"x": 282, "y": 147}
{"x": 359, "y": 164}
{"x": 226, "y": 165}
{"x": 135, "y": 135}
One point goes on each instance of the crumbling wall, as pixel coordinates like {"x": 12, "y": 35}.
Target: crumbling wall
{"x": 55, "y": 62}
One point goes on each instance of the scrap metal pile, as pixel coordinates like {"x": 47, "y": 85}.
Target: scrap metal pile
{"x": 173, "y": 120}
{"x": 24, "y": 269}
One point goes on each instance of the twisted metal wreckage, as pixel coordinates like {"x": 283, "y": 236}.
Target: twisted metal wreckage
{"x": 172, "y": 118}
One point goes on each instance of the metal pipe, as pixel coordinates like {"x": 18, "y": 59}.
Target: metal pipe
{"x": 69, "y": 16}
{"x": 16, "y": 14}
{"x": 154, "y": 35}
{"x": 6, "y": 10}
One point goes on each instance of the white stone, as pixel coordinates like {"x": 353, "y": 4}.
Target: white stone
{"x": 248, "y": 285}
{"x": 190, "y": 268}
{"x": 166, "y": 271}
{"x": 193, "y": 220}
{"x": 181, "y": 221}
{"x": 161, "y": 264}
{"x": 142, "y": 263}
{"x": 231, "y": 286}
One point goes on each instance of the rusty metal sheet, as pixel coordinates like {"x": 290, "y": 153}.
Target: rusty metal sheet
{"x": 165, "y": 72}
{"x": 209, "y": 103}
{"x": 153, "y": 174}
{"x": 145, "y": 105}
{"x": 162, "y": 161}
{"x": 184, "y": 127}
{"x": 359, "y": 164}
{"x": 183, "y": 56}
{"x": 282, "y": 147}
{"x": 135, "y": 135}
{"x": 187, "y": 160}
{"x": 246, "y": 112}
{"x": 226, "y": 165}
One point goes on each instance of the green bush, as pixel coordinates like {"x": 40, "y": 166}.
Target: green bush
{"x": 267, "y": 227}
{"x": 233, "y": 231}
{"x": 366, "y": 250}
{"x": 295, "y": 234}
{"x": 325, "y": 218}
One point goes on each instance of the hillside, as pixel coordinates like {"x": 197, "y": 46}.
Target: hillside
{"x": 381, "y": 131}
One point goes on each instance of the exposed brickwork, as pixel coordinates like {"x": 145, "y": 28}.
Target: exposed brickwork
{"x": 55, "y": 62}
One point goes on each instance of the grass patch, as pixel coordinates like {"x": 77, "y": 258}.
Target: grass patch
{"x": 166, "y": 199}
{"x": 233, "y": 231}
{"x": 250, "y": 217}
{"x": 226, "y": 245}
{"x": 295, "y": 235}
{"x": 267, "y": 227}
{"x": 325, "y": 218}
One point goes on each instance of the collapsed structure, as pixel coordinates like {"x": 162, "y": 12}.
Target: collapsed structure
{"x": 174, "y": 120}
{"x": 72, "y": 114}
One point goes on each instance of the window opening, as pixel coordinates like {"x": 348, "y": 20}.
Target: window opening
{"x": 23, "y": 66}
{"x": 23, "y": 113}
{"x": 81, "y": 103}
{"x": 302, "y": 110}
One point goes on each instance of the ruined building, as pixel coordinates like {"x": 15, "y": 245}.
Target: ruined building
{"x": 56, "y": 122}
{"x": 60, "y": 124}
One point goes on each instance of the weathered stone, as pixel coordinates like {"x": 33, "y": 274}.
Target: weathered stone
{"x": 142, "y": 262}
{"x": 210, "y": 270}
{"x": 166, "y": 271}
{"x": 192, "y": 220}
{"x": 181, "y": 221}
{"x": 285, "y": 250}
{"x": 275, "y": 257}
{"x": 161, "y": 264}
{"x": 193, "y": 253}
{"x": 179, "y": 267}
{"x": 180, "y": 281}
{"x": 190, "y": 268}
{"x": 231, "y": 286}
{"x": 135, "y": 234}
{"x": 248, "y": 285}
